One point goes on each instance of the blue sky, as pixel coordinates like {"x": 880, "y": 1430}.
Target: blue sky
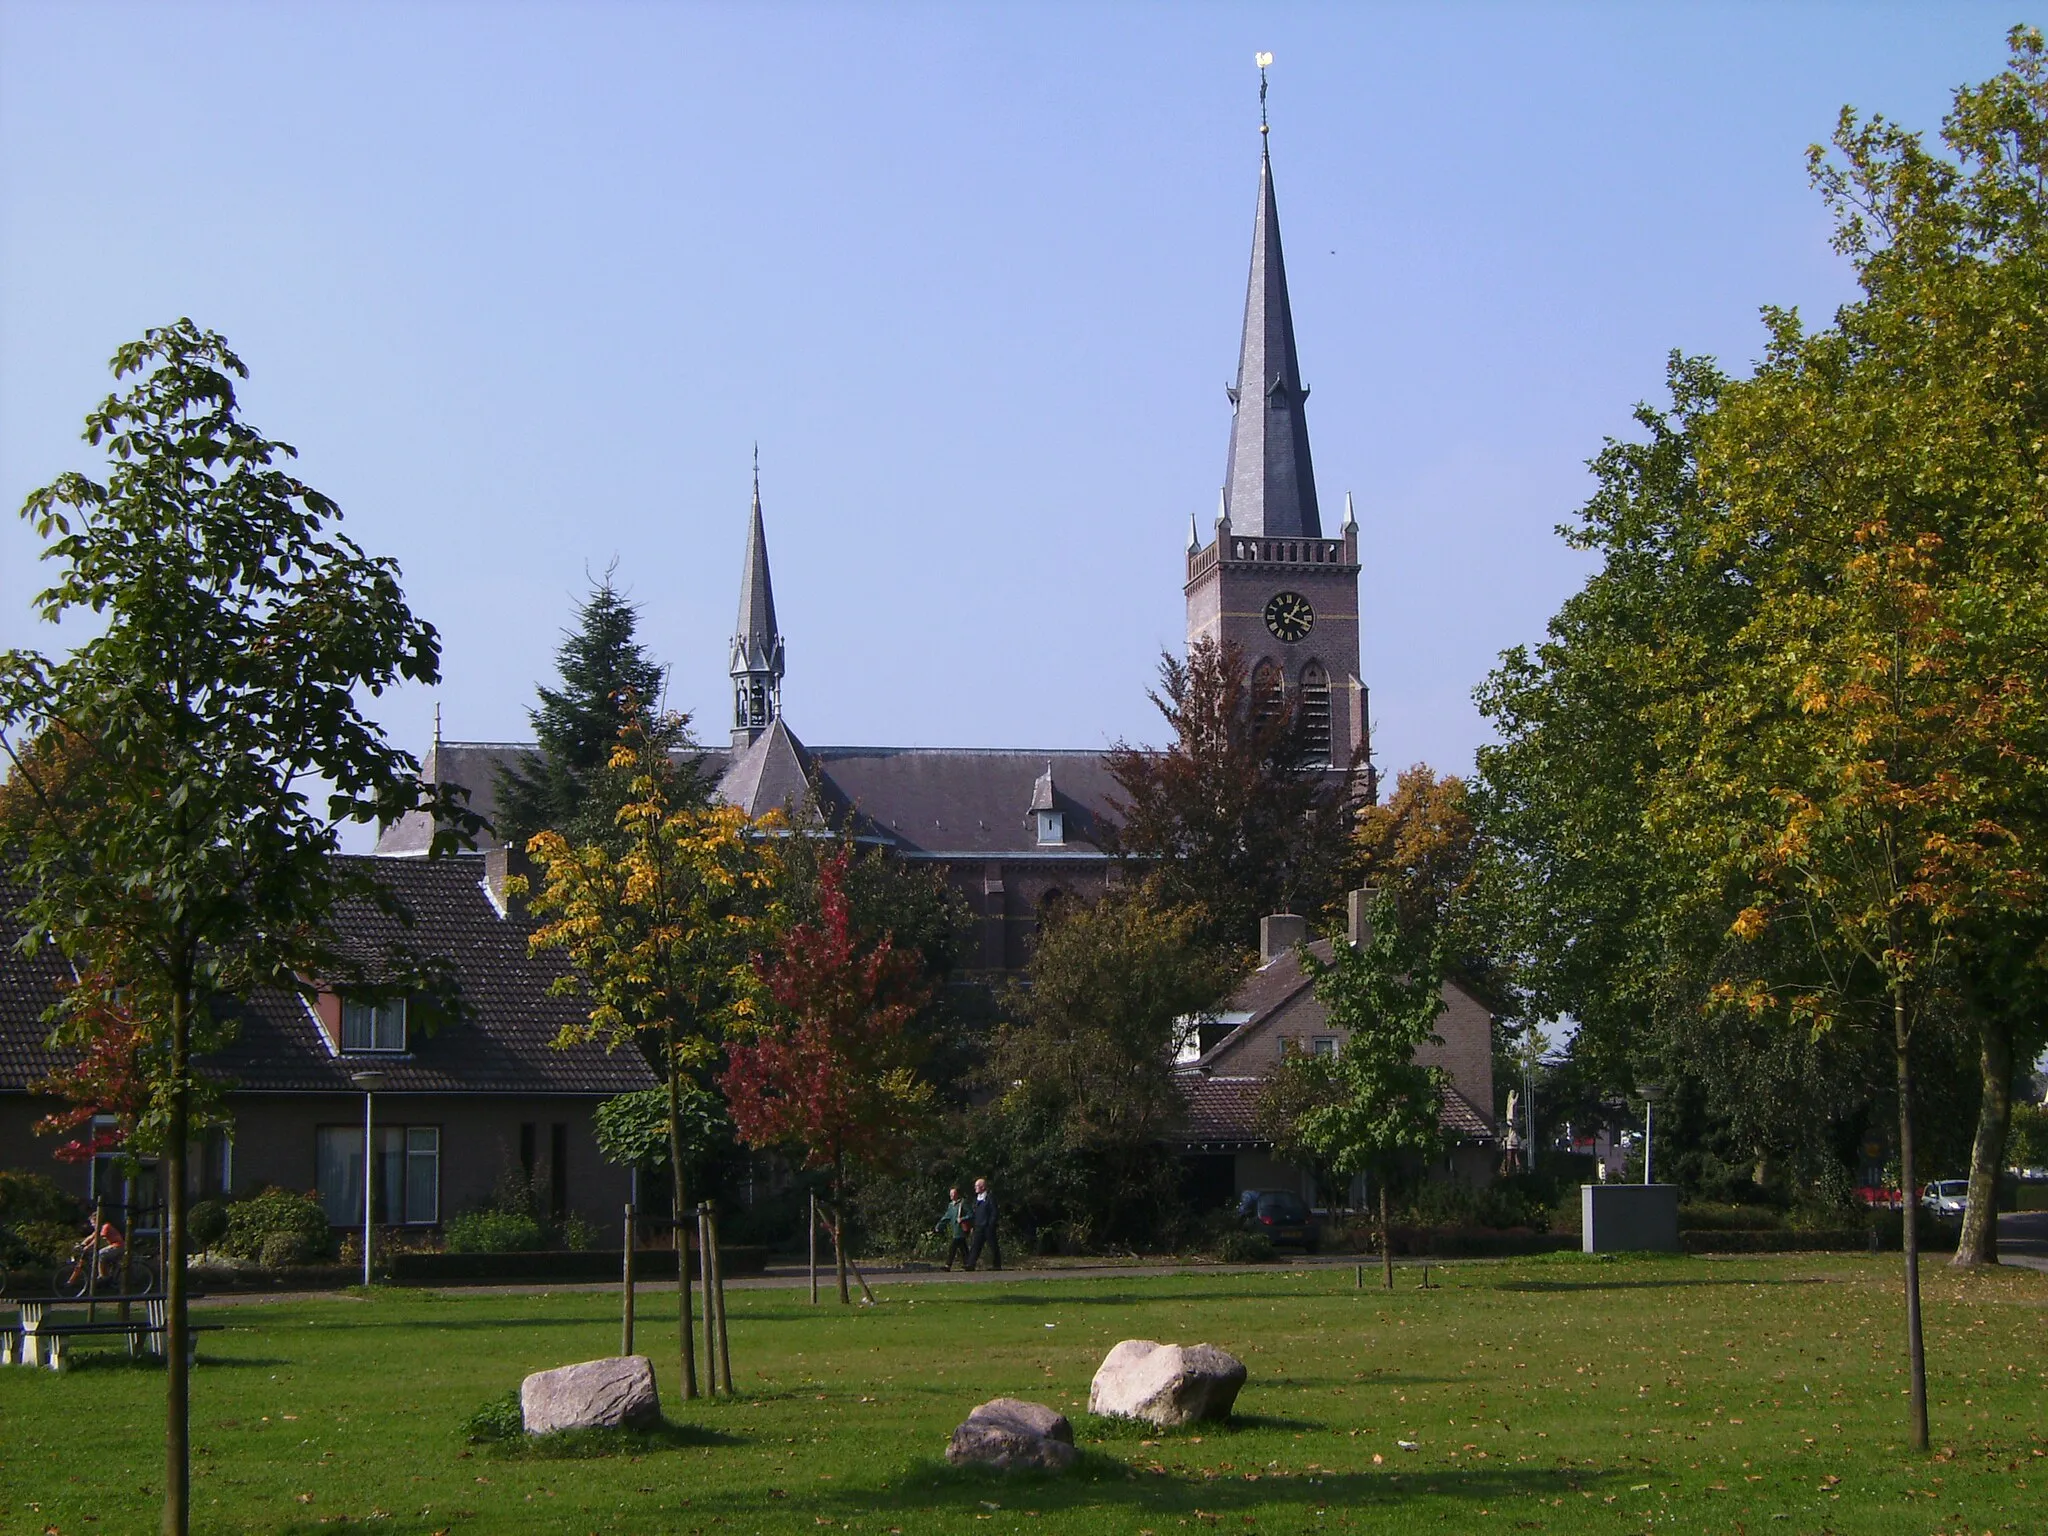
{"x": 525, "y": 283}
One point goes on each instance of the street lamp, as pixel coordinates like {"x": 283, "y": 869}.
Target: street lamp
{"x": 1649, "y": 1093}
{"x": 369, "y": 1082}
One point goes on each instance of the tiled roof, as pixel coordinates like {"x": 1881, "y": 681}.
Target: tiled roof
{"x": 1223, "y": 1111}
{"x": 927, "y": 801}
{"x": 502, "y": 1044}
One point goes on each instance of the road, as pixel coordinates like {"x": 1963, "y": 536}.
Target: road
{"x": 2023, "y": 1239}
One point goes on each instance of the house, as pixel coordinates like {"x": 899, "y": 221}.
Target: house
{"x": 461, "y": 1103}
{"x": 1275, "y": 1012}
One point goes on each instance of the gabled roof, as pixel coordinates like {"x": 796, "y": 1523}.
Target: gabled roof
{"x": 504, "y": 1043}
{"x": 1223, "y": 1113}
{"x": 771, "y": 774}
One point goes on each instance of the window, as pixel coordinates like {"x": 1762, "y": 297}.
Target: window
{"x": 1323, "y": 1045}
{"x": 407, "y": 1190}
{"x": 373, "y": 1026}
{"x": 1052, "y": 827}
{"x": 1315, "y": 715}
{"x": 1268, "y": 692}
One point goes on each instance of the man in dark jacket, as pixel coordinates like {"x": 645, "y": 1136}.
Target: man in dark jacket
{"x": 985, "y": 1228}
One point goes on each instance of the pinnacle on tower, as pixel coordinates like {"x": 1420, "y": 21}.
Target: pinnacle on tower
{"x": 756, "y": 643}
{"x": 1269, "y": 483}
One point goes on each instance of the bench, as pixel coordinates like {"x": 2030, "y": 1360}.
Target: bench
{"x": 38, "y": 1339}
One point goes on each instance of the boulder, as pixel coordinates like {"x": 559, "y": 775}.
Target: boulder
{"x": 598, "y": 1394}
{"x": 1166, "y": 1383}
{"x": 1010, "y": 1435}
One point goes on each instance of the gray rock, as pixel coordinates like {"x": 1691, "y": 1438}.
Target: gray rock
{"x": 1166, "y": 1383}
{"x": 1026, "y": 1418}
{"x": 598, "y": 1394}
{"x": 1011, "y": 1435}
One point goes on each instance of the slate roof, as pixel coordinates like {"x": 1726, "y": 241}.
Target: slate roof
{"x": 928, "y": 802}
{"x": 502, "y": 1044}
{"x": 1223, "y": 1112}
{"x": 1269, "y": 481}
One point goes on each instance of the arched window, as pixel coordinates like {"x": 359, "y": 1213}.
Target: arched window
{"x": 1315, "y": 715}
{"x": 1269, "y": 685}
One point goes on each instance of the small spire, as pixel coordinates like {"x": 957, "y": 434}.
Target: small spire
{"x": 1222, "y": 506}
{"x": 1350, "y": 515}
{"x": 437, "y": 726}
{"x": 1194, "y": 534}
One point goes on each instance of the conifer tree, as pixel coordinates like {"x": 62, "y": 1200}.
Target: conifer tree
{"x": 566, "y": 786}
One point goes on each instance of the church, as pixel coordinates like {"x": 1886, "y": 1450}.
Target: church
{"x": 1015, "y": 831}
{"x": 1019, "y": 829}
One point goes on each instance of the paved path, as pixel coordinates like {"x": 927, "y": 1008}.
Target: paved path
{"x": 2023, "y": 1239}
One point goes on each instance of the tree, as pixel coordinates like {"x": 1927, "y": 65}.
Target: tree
{"x": 181, "y": 855}
{"x": 1424, "y": 847}
{"x": 567, "y": 785}
{"x": 828, "y": 1065}
{"x": 1231, "y": 815}
{"x": 1107, "y": 995}
{"x": 1874, "y": 762}
{"x": 1386, "y": 994}
{"x": 1300, "y": 1085}
{"x": 658, "y": 933}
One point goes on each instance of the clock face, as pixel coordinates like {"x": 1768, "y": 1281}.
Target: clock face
{"x": 1289, "y": 616}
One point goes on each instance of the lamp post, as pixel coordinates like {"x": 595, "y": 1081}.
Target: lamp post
{"x": 1650, "y": 1093}
{"x": 369, "y": 1082}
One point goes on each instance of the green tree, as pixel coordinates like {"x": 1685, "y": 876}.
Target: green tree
{"x": 1091, "y": 1040}
{"x": 567, "y": 785}
{"x": 186, "y": 853}
{"x": 1386, "y": 994}
{"x": 1873, "y": 764}
{"x": 1234, "y": 823}
{"x": 659, "y": 934}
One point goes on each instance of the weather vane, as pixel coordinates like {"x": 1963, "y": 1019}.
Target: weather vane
{"x": 1262, "y": 59}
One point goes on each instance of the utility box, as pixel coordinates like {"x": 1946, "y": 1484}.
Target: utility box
{"x": 1628, "y": 1218}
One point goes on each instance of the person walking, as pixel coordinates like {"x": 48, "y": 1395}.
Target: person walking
{"x": 983, "y": 1216}
{"x": 956, "y": 1224}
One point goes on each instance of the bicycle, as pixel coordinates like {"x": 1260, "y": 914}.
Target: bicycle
{"x": 95, "y": 1268}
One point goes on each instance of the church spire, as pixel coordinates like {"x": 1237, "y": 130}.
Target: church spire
{"x": 1270, "y": 485}
{"x": 756, "y": 644}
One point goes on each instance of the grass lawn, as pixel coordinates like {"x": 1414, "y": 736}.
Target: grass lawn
{"x": 1561, "y": 1394}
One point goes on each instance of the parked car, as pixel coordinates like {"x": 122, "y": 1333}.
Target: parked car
{"x": 1946, "y": 1197}
{"x": 1284, "y": 1217}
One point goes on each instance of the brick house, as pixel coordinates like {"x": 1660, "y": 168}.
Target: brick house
{"x": 462, "y": 1103}
{"x": 1274, "y": 1013}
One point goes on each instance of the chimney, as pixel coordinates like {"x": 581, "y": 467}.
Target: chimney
{"x": 1278, "y": 934}
{"x": 1359, "y": 927}
{"x": 500, "y": 864}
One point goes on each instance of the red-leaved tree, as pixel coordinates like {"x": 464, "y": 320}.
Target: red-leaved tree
{"x": 110, "y": 1077}
{"x": 828, "y": 1069}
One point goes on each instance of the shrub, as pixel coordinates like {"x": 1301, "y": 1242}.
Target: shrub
{"x": 1243, "y": 1247}
{"x": 206, "y": 1224}
{"x": 38, "y": 1221}
{"x": 499, "y": 1419}
{"x": 274, "y": 1213}
{"x": 493, "y": 1231}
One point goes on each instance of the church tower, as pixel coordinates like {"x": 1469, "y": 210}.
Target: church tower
{"x": 756, "y": 644}
{"x": 1269, "y": 582}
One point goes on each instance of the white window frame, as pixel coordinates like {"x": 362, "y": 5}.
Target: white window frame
{"x": 367, "y": 1028}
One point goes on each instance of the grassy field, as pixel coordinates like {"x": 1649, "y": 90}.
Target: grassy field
{"x": 1562, "y": 1394}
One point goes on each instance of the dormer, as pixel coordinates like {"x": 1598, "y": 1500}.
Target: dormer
{"x": 1045, "y": 810}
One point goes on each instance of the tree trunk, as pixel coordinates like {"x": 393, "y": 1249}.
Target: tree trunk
{"x": 1386, "y": 1236}
{"x": 839, "y": 1228}
{"x": 177, "y": 1402}
{"x": 1909, "y": 1192}
{"x": 1979, "y": 1242}
{"x": 679, "y": 1203}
